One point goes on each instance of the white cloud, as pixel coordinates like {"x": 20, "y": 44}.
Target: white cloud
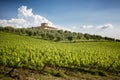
{"x": 105, "y": 26}
{"x": 87, "y": 27}
{"x": 91, "y": 28}
{"x": 63, "y": 28}
{"x": 114, "y": 33}
{"x": 25, "y": 18}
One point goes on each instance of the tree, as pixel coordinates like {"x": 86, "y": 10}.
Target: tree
{"x": 9, "y": 29}
{"x": 79, "y": 35}
{"x": 58, "y": 38}
{"x": 43, "y": 35}
{"x": 87, "y": 36}
{"x": 30, "y": 33}
{"x": 50, "y": 36}
{"x": 60, "y": 31}
{"x": 70, "y": 38}
{"x": 1, "y": 28}
{"x": 117, "y": 40}
{"x": 109, "y": 39}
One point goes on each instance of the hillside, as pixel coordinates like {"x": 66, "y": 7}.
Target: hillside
{"x": 22, "y": 56}
{"x": 56, "y": 35}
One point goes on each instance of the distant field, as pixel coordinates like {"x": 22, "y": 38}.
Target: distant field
{"x": 27, "y": 52}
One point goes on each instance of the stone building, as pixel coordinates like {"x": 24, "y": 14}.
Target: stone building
{"x": 45, "y": 26}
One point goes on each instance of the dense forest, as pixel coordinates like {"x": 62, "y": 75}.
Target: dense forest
{"x": 56, "y": 35}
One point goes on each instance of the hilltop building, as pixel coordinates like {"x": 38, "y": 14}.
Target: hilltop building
{"x": 45, "y": 26}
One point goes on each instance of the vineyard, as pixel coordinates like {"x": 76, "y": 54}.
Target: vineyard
{"x": 26, "y": 52}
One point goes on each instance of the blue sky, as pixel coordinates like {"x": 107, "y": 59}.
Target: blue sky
{"x": 87, "y": 16}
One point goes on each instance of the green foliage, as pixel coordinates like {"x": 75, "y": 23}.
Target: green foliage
{"x": 70, "y": 38}
{"x": 58, "y": 38}
{"x": 58, "y": 74}
{"x": 24, "y": 51}
{"x": 55, "y": 35}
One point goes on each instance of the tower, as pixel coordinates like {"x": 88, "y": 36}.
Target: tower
{"x": 44, "y": 24}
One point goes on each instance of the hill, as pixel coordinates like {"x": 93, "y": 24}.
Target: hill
{"x": 26, "y": 57}
{"x": 56, "y": 35}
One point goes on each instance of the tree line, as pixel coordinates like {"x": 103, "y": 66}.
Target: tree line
{"x": 56, "y": 35}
